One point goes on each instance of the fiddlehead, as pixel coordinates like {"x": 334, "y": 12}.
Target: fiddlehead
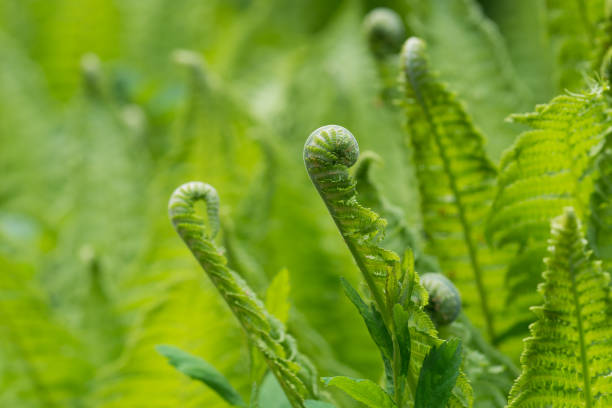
{"x": 444, "y": 301}
{"x": 385, "y": 31}
{"x": 265, "y": 332}
{"x": 328, "y": 153}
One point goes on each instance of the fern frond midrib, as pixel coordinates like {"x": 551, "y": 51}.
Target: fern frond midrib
{"x": 467, "y": 233}
{"x": 583, "y": 353}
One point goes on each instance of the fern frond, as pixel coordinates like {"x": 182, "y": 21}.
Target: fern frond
{"x": 568, "y": 358}
{"x": 456, "y": 185}
{"x": 465, "y": 37}
{"x": 266, "y": 333}
{"x": 549, "y": 168}
{"x": 328, "y": 153}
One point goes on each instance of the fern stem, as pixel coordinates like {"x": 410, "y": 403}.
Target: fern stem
{"x": 467, "y": 231}
{"x": 581, "y": 336}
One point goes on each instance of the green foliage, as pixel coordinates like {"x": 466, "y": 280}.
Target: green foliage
{"x": 200, "y": 370}
{"x": 106, "y": 106}
{"x": 438, "y": 375}
{"x": 365, "y": 391}
{"x": 456, "y": 185}
{"x": 394, "y": 316}
{"x": 567, "y": 356}
{"x": 482, "y": 75}
{"x": 265, "y": 332}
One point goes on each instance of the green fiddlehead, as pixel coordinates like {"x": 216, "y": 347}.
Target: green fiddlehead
{"x": 328, "y": 153}
{"x": 265, "y": 332}
{"x": 444, "y": 300}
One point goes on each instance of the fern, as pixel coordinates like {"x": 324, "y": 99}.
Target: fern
{"x": 465, "y": 37}
{"x": 328, "y": 153}
{"x": 456, "y": 185}
{"x": 547, "y": 169}
{"x": 568, "y": 356}
{"x": 266, "y": 333}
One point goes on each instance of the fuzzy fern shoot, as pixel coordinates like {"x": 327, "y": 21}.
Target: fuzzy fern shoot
{"x": 567, "y": 361}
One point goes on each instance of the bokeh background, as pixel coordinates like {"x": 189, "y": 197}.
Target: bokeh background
{"x": 107, "y": 105}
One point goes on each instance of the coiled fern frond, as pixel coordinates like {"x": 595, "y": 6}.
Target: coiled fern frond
{"x": 568, "y": 356}
{"x": 328, "y": 153}
{"x": 265, "y": 332}
{"x": 456, "y": 184}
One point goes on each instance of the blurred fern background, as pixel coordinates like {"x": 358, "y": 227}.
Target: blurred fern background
{"x": 107, "y": 105}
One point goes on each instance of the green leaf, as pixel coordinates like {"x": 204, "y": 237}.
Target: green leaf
{"x": 271, "y": 394}
{"x": 364, "y": 391}
{"x": 400, "y": 318}
{"x": 567, "y": 356}
{"x": 198, "y": 369}
{"x": 438, "y": 375}
{"x": 373, "y": 320}
{"x": 277, "y": 296}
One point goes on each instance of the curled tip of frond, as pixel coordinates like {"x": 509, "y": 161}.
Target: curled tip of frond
{"x": 385, "y": 31}
{"x": 606, "y": 65}
{"x": 413, "y": 57}
{"x": 181, "y": 206}
{"x": 330, "y": 145}
{"x": 444, "y": 299}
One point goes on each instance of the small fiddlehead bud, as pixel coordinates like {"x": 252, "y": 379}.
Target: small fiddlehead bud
{"x": 265, "y": 332}
{"x": 385, "y": 31}
{"x": 444, "y": 299}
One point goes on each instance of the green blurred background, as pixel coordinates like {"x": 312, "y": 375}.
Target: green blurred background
{"x": 107, "y": 106}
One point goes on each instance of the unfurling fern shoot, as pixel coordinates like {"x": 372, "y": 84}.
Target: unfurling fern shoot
{"x": 398, "y": 324}
{"x": 265, "y": 332}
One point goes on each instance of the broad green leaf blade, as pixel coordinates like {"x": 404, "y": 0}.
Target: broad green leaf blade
{"x": 365, "y": 391}
{"x": 400, "y": 319}
{"x": 567, "y": 356}
{"x": 372, "y": 319}
{"x": 277, "y": 296}
{"x": 438, "y": 375}
{"x": 198, "y": 369}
